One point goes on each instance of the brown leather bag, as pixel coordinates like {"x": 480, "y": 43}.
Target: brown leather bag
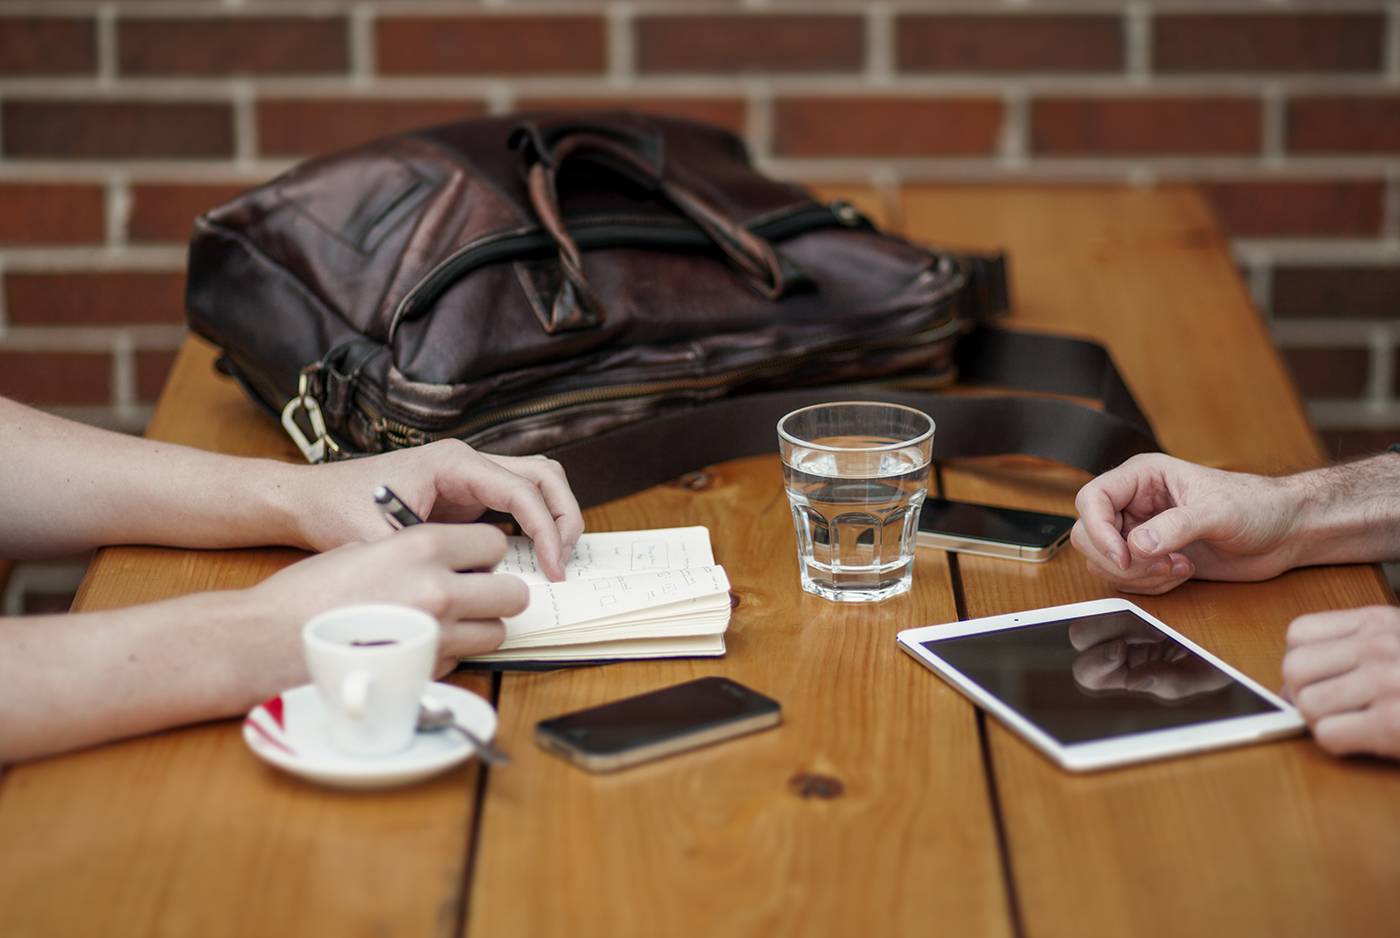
{"x": 528, "y": 283}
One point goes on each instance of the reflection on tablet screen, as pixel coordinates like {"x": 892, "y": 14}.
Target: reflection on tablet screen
{"x": 1098, "y": 676}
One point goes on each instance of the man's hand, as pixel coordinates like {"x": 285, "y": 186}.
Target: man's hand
{"x": 1155, "y": 522}
{"x": 443, "y": 481}
{"x": 1342, "y": 671}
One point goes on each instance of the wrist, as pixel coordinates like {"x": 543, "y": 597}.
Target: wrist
{"x": 1348, "y": 513}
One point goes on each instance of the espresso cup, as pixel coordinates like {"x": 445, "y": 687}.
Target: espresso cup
{"x": 371, "y": 663}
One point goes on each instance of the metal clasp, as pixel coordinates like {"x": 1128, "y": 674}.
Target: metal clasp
{"x": 315, "y": 450}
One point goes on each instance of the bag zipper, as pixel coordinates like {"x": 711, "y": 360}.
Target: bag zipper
{"x": 402, "y": 435}
{"x": 599, "y": 236}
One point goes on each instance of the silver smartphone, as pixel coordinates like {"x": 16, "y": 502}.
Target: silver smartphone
{"x": 992, "y": 530}
{"x": 661, "y": 723}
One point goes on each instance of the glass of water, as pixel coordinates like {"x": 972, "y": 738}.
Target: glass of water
{"x": 856, "y": 477}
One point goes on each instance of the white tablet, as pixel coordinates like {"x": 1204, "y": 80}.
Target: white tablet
{"x": 1101, "y": 683}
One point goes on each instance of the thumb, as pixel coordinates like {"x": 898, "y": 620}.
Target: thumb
{"x": 1167, "y": 532}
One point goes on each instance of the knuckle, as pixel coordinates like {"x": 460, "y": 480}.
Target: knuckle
{"x": 1383, "y": 645}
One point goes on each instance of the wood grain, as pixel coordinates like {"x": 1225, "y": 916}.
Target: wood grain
{"x": 1268, "y": 840}
{"x": 186, "y": 832}
{"x": 721, "y": 841}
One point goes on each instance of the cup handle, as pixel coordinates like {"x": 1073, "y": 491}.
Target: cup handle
{"x": 354, "y": 693}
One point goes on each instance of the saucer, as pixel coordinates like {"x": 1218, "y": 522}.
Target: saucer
{"x": 289, "y": 731}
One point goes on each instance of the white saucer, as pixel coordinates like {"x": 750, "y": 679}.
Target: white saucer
{"x": 289, "y": 731}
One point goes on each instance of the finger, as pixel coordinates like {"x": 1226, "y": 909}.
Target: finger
{"x": 1319, "y": 661}
{"x": 553, "y": 484}
{"x": 1169, "y": 531}
{"x": 474, "y": 596}
{"x": 1143, "y": 583}
{"x": 456, "y": 547}
{"x": 1375, "y": 730}
{"x": 1354, "y": 690}
{"x": 1097, "y": 531}
{"x": 1337, "y": 623}
{"x": 497, "y": 487}
{"x": 473, "y": 637}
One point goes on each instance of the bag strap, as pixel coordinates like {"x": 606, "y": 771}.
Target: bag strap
{"x": 640, "y": 455}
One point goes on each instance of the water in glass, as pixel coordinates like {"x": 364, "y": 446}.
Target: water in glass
{"x": 856, "y": 513}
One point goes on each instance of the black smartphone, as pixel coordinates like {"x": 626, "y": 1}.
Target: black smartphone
{"x": 661, "y": 723}
{"x": 992, "y": 530}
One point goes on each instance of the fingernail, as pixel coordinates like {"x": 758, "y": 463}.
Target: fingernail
{"x": 1180, "y": 569}
{"x": 1160, "y": 568}
{"x": 1113, "y": 651}
{"x": 1147, "y": 684}
{"x": 1145, "y": 540}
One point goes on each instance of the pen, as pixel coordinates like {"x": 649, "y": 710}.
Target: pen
{"x": 395, "y": 511}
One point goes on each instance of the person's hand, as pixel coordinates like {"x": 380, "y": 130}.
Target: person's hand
{"x": 1124, "y": 653}
{"x": 443, "y": 481}
{"x": 1342, "y": 671}
{"x": 439, "y": 568}
{"x": 1154, "y": 522}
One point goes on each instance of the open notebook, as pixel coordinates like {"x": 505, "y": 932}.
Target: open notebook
{"x": 627, "y": 594}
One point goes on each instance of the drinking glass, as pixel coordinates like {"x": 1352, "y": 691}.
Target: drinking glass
{"x": 856, "y": 476}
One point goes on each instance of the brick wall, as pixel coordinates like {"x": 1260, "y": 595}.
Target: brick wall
{"x": 119, "y": 121}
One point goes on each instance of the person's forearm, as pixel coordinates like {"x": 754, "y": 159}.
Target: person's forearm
{"x": 72, "y": 681}
{"x": 66, "y": 488}
{"x": 1349, "y": 513}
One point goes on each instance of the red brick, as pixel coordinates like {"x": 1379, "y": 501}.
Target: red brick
{"x": 1145, "y": 126}
{"x": 1009, "y": 43}
{"x": 1336, "y": 293}
{"x": 724, "y": 112}
{"x": 492, "y": 45}
{"x": 56, "y": 377}
{"x": 1344, "y": 125}
{"x": 87, "y": 130}
{"x": 1348, "y": 444}
{"x": 167, "y": 213}
{"x": 233, "y": 46}
{"x": 94, "y": 299}
{"x": 48, "y": 46}
{"x": 1297, "y": 209}
{"x": 750, "y": 44}
{"x": 1268, "y": 42}
{"x": 1328, "y": 372}
{"x": 303, "y": 128}
{"x": 152, "y": 368}
{"x": 885, "y": 127}
{"x": 50, "y": 214}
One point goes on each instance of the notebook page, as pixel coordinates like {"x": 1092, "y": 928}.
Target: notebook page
{"x": 615, "y": 553}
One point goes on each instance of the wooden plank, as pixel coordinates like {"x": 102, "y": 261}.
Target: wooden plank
{"x": 1277, "y": 839}
{"x": 721, "y": 841}
{"x": 186, "y": 832}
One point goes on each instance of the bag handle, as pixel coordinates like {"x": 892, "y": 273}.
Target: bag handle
{"x": 545, "y": 147}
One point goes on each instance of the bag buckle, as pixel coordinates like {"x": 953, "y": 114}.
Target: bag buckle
{"x": 315, "y": 450}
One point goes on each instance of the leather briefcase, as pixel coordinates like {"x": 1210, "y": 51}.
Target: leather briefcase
{"x": 534, "y": 283}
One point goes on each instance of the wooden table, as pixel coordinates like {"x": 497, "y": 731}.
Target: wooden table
{"x": 885, "y": 805}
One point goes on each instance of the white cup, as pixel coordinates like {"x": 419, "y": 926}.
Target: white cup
{"x": 371, "y": 664}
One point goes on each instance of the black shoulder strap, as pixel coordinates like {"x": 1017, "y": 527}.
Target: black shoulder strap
{"x": 640, "y": 455}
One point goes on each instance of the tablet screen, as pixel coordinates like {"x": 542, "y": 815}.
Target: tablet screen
{"x": 1098, "y": 676}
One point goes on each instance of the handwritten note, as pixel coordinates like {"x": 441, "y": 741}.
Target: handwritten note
{"x": 615, "y": 553}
